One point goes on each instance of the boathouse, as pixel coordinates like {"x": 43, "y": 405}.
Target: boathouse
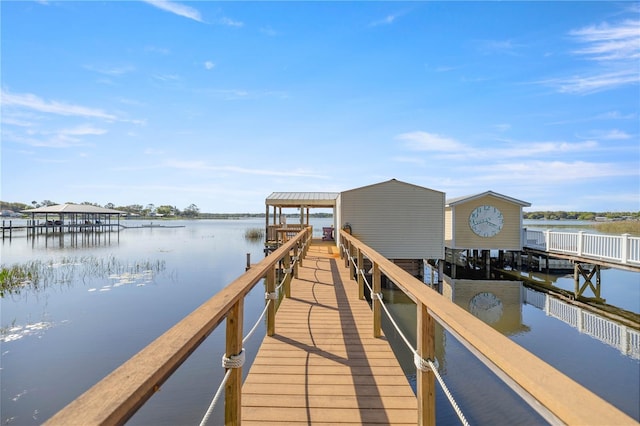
{"x": 401, "y": 221}
{"x": 488, "y": 221}
{"x": 481, "y": 223}
{"x": 73, "y": 218}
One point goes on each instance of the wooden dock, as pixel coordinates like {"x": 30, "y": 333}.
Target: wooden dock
{"x": 323, "y": 365}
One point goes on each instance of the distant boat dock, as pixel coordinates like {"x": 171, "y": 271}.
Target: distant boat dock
{"x": 71, "y": 218}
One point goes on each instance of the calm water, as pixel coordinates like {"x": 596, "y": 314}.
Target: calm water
{"x": 100, "y": 301}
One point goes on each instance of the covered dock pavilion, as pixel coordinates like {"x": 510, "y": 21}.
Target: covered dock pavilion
{"x": 73, "y": 218}
{"x": 277, "y": 229}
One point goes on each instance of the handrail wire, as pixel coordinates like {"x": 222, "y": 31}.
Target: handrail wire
{"x": 216, "y": 396}
{"x": 416, "y": 355}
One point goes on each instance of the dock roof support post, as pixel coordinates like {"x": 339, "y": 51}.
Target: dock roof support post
{"x": 425, "y": 386}
{"x": 266, "y": 224}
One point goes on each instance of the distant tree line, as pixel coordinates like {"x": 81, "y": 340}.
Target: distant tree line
{"x": 562, "y": 215}
{"x": 150, "y": 210}
{"x": 134, "y": 209}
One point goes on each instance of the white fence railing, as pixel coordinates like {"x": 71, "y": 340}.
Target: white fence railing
{"x": 623, "y": 249}
{"x": 625, "y": 339}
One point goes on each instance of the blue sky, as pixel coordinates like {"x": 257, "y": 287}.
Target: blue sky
{"x": 219, "y": 104}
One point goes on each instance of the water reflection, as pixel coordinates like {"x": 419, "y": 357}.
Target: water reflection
{"x": 542, "y": 323}
{"x": 497, "y": 303}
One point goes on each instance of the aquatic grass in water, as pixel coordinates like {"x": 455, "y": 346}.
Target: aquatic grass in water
{"x": 631, "y": 227}
{"x": 37, "y": 275}
{"x": 254, "y": 234}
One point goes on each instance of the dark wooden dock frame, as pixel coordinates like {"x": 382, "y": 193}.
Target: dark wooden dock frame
{"x": 71, "y": 218}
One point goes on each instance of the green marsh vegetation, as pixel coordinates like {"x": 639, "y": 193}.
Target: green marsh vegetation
{"x": 36, "y": 275}
{"x": 254, "y": 234}
{"x": 631, "y": 227}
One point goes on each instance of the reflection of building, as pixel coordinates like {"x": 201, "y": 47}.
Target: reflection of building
{"x": 497, "y": 303}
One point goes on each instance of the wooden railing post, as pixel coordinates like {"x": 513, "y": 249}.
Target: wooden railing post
{"x": 298, "y": 260}
{"x": 347, "y": 251}
{"x": 360, "y": 277}
{"x": 271, "y": 310}
{"x": 426, "y": 348}
{"x": 287, "y": 271}
{"x": 377, "y": 309}
{"x": 233, "y": 387}
{"x": 352, "y": 267}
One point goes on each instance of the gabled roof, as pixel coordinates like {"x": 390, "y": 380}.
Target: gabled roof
{"x": 73, "y": 208}
{"x": 306, "y": 199}
{"x": 467, "y": 198}
{"x": 394, "y": 181}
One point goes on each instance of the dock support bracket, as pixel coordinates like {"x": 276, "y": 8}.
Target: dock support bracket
{"x": 587, "y": 272}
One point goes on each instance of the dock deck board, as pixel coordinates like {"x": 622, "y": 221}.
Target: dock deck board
{"x": 323, "y": 365}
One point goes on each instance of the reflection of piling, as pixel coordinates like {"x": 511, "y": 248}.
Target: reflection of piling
{"x": 4, "y": 228}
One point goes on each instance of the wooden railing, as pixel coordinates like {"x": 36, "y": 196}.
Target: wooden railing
{"x": 114, "y": 399}
{"x": 556, "y": 397}
{"x": 623, "y": 249}
{"x": 281, "y": 233}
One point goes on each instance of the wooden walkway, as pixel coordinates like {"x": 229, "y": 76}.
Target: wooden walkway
{"x": 323, "y": 365}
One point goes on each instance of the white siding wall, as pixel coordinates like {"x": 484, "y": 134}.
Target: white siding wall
{"x": 397, "y": 219}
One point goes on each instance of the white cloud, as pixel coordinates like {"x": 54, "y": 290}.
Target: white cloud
{"x": 543, "y": 172}
{"x": 64, "y": 138}
{"x": 199, "y": 165}
{"x": 607, "y": 42}
{"x": 409, "y": 160}
{"x": 614, "y": 47}
{"x": 387, "y": 20}
{"x": 269, "y": 31}
{"x": 83, "y": 130}
{"x": 209, "y": 65}
{"x": 532, "y": 149}
{"x": 30, "y": 101}
{"x": 167, "y": 77}
{"x": 596, "y": 82}
{"x": 423, "y": 141}
{"x": 615, "y": 134}
{"x": 176, "y": 8}
{"x": 112, "y": 71}
{"x": 502, "y": 127}
{"x": 230, "y": 22}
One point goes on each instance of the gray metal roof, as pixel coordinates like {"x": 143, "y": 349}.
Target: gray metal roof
{"x": 306, "y": 199}
{"x": 73, "y": 208}
{"x": 466, "y": 198}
